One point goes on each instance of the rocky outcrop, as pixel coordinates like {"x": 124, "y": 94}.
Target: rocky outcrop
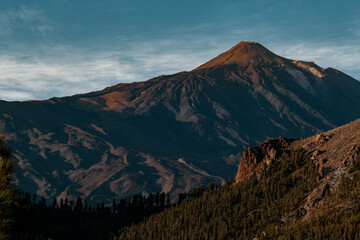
{"x": 254, "y": 158}
{"x": 332, "y": 152}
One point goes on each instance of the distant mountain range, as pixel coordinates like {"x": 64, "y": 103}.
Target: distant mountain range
{"x": 172, "y": 133}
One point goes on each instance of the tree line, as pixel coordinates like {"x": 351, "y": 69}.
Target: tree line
{"x": 263, "y": 206}
{"x": 66, "y": 219}
{"x": 27, "y": 216}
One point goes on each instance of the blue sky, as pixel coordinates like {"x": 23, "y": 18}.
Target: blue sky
{"x": 54, "y": 48}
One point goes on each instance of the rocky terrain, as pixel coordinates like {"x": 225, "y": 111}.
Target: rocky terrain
{"x": 286, "y": 188}
{"x": 332, "y": 152}
{"x": 172, "y": 133}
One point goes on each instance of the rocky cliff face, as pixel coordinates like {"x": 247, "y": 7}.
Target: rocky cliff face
{"x": 332, "y": 152}
{"x": 172, "y": 133}
{"x": 255, "y": 158}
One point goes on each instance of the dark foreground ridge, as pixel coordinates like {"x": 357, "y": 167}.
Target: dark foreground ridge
{"x": 306, "y": 189}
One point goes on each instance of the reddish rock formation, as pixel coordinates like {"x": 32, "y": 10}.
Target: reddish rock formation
{"x": 254, "y": 158}
{"x": 332, "y": 152}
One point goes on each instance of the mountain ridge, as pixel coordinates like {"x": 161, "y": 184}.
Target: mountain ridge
{"x": 333, "y": 153}
{"x": 170, "y": 133}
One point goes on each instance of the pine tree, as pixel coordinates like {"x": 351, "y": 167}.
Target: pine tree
{"x": 78, "y": 205}
{"x": 168, "y": 200}
{"x": 61, "y": 204}
{"x": 7, "y": 193}
{"x": 162, "y": 200}
{"x": 34, "y": 198}
{"x": 54, "y": 205}
{"x": 114, "y": 206}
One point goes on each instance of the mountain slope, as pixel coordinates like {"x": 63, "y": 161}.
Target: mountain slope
{"x": 172, "y": 133}
{"x": 333, "y": 152}
{"x": 298, "y": 189}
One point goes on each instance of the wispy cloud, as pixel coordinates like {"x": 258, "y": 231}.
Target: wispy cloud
{"x": 24, "y": 17}
{"x": 43, "y": 79}
{"x": 5, "y": 24}
{"x": 29, "y": 77}
{"x": 343, "y": 57}
{"x": 71, "y": 71}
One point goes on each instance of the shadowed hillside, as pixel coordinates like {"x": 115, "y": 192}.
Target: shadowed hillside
{"x": 286, "y": 189}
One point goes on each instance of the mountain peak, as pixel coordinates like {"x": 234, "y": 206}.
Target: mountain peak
{"x": 242, "y": 54}
{"x": 248, "y": 44}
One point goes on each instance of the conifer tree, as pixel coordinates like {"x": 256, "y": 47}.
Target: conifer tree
{"x": 7, "y": 193}
{"x": 78, "y": 205}
{"x": 168, "y": 200}
{"x": 162, "y": 200}
{"x": 114, "y": 206}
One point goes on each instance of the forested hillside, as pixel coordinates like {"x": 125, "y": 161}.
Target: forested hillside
{"x": 7, "y": 193}
{"x": 263, "y": 207}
